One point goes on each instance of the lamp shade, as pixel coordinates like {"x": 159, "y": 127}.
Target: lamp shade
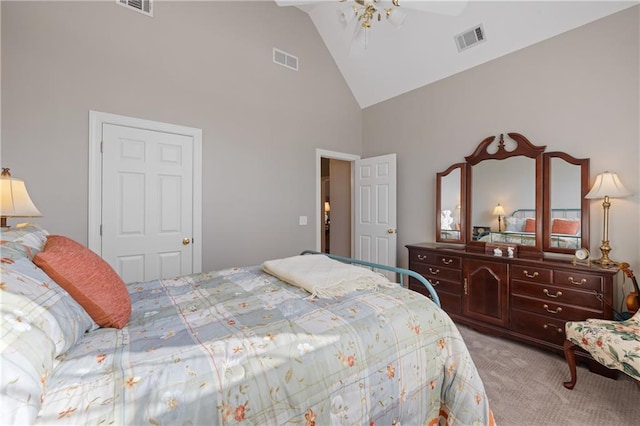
{"x": 327, "y": 206}
{"x": 607, "y": 184}
{"x": 498, "y": 210}
{"x": 15, "y": 200}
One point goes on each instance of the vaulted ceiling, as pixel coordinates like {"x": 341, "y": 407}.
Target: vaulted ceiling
{"x": 395, "y": 60}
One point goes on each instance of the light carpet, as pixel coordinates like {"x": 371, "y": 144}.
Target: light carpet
{"x": 524, "y": 386}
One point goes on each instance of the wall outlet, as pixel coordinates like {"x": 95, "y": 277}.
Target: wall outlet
{"x": 303, "y": 220}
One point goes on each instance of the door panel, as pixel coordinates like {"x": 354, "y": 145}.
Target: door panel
{"x": 375, "y": 210}
{"x": 147, "y": 203}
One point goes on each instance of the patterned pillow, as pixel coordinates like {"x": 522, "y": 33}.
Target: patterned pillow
{"x": 23, "y": 240}
{"x": 32, "y": 292}
{"x": 514, "y": 224}
{"x": 88, "y": 278}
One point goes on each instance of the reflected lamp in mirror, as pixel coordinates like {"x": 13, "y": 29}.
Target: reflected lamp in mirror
{"x": 14, "y": 199}
{"x": 327, "y": 209}
{"x": 607, "y": 185}
{"x": 499, "y": 211}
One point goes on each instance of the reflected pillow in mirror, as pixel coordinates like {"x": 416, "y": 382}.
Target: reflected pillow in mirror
{"x": 514, "y": 224}
{"x": 529, "y": 225}
{"x": 565, "y": 226}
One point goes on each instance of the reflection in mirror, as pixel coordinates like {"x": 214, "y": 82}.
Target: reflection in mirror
{"x": 449, "y": 205}
{"x": 510, "y": 182}
{"x": 566, "y": 183}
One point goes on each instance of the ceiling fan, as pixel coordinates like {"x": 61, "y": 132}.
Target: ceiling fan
{"x": 364, "y": 14}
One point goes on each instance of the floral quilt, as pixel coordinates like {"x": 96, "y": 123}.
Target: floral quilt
{"x": 238, "y": 346}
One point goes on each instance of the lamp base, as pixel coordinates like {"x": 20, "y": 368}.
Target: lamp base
{"x": 605, "y": 262}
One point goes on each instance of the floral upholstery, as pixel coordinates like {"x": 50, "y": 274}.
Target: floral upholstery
{"x": 614, "y": 344}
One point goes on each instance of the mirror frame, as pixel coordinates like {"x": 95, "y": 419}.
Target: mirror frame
{"x": 583, "y": 163}
{"x": 523, "y": 148}
{"x": 463, "y": 203}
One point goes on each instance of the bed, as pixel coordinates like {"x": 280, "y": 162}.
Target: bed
{"x": 520, "y": 229}
{"x": 233, "y": 346}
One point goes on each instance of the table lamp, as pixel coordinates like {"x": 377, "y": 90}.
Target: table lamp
{"x": 606, "y": 186}
{"x": 14, "y": 199}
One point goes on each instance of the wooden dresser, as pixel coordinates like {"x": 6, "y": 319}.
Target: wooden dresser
{"x": 525, "y": 299}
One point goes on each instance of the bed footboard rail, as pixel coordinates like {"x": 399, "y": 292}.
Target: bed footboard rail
{"x": 402, "y": 272}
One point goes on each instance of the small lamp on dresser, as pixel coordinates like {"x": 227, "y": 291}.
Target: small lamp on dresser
{"x": 606, "y": 186}
{"x": 14, "y": 199}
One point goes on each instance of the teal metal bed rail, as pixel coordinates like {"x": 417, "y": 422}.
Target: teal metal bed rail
{"x": 401, "y": 271}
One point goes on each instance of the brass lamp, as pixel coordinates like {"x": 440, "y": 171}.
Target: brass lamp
{"x": 499, "y": 211}
{"x": 14, "y": 199}
{"x": 607, "y": 185}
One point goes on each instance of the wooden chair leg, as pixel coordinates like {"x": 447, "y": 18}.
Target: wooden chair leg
{"x": 569, "y": 354}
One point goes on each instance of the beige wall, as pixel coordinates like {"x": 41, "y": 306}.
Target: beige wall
{"x": 202, "y": 64}
{"x": 577, "y": 92}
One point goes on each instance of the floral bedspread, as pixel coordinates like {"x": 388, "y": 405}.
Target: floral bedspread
{"x": 240, "y": 347}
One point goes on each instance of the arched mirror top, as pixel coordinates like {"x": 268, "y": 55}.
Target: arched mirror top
{"x": 566, "y": 183}
{"x": 450, "y": 212}
{"x": 519, "y": 146}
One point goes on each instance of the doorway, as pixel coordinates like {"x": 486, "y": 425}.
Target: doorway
{"x": 335, "y": 201}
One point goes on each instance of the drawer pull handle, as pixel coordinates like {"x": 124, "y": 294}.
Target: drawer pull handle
{"x": 466, "y": 287}
{"x": 558, "y": 294}
{"x": 434, "y": 271}
{"x": 447, "y": 261}
{"x": 422, "y": 257}
{"x": 582, "y": 281}
{"x": 435, "y": 283}
{"x": 558, "y": 329}
{"x": 528, "y": 275}
{"x": 557, "y": 311}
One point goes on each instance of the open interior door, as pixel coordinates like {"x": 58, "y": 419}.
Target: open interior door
{"x": 375, "y": 209}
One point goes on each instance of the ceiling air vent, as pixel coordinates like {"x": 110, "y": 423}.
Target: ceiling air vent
{"x": 142, "y": 6}
{"x": 285, "y": 59}
{"x": 470, "y": 38}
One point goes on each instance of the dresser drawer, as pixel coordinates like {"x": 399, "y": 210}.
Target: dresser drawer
{"x": 432, "y": 272}
{"x": 451, "y": 303}
{"x": 538, "y": 326}
{"x": 578, "y": 279}
{"x": 531, "y": 273}
{"x": 553, "y": 310}
{"x": 556, "y": 294}
{"x": 437, "y": 259}
{"x": 439, "y": 285}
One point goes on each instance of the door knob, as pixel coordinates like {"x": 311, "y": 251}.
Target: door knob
{"x": 390, "y": 231}
{"x": 186, "y": 241}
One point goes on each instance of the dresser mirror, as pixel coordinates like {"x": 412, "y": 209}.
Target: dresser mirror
{"x": 450, "y": 214}
{"x": 504, "y": 186}
{"x": 566, "y": 182}
{"x": 511, "y": 192}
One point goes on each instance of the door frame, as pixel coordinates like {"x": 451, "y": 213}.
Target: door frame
{"x": 320, "y": 154}
{"x": 96, "y": 120}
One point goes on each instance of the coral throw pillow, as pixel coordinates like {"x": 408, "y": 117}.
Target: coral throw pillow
{"x": 529, "y": 225}
{"x": 88, "y": 279}
{"x": 565, "y": 226}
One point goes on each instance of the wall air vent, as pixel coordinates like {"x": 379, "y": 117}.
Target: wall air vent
{"x": 142, "y": 6}
{"x": 470, "y": 38}
{"x": 285, "y": 59}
